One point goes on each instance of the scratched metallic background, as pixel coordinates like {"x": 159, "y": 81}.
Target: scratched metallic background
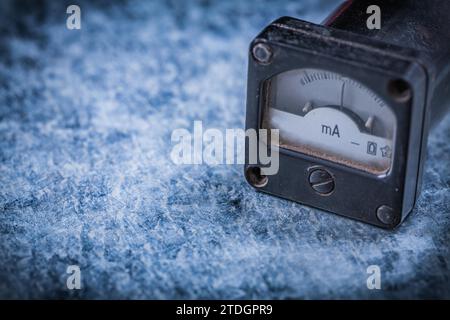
{"x": 85, "y": 124}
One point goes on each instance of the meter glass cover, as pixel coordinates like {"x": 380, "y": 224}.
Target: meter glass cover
{"x": 329, "y": 116}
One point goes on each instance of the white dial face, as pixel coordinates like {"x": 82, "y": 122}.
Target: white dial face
{"x": 326, "y": 115}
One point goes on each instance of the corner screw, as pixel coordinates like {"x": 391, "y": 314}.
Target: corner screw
{"x": 255, "y": 177}
{"x": 400, "y": 90}
{"x": 387, "y": 216}
{"x": 262, "y": 53}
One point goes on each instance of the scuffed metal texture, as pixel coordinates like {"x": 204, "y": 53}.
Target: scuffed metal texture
{"x": 85, "y": 124}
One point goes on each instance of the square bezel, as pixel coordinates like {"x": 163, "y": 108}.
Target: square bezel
{"x": 296, "y": 44}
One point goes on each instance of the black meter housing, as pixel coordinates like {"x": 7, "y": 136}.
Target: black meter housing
{"x": 405, "y": 63}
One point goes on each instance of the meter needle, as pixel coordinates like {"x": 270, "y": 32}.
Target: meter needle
{"x": 342, "y": 93}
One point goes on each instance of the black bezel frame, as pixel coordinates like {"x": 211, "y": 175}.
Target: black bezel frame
{"x": 297, "y": 44}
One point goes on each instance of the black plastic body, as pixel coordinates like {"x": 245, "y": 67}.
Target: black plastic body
{"x": 412, "y": 45}
{"x": 420, "y": 25}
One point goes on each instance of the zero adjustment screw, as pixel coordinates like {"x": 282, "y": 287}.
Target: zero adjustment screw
{"x": 321, "y": 181}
